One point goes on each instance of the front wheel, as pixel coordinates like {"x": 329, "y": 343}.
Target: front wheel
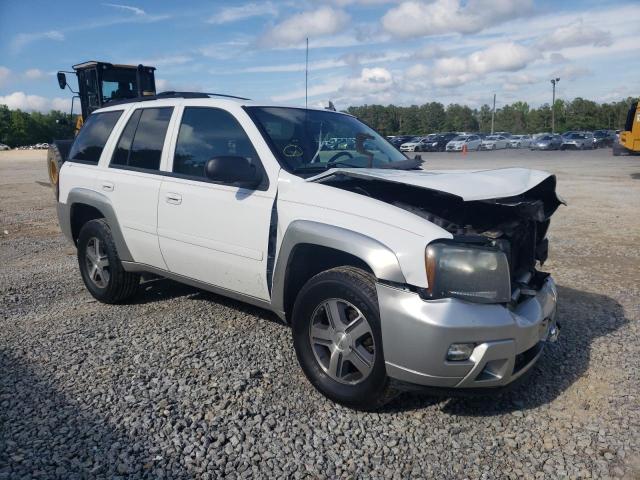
{"x": 337, "y": 338}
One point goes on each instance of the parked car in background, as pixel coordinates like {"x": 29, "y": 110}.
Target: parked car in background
{"x": 472, "y": 142}
{"x": 400, "y": 139}
{"x": 415, "y": 145}
{"x": 520, "y": 141}
{"x": 547, "y": 142}
{"x": 577, "y": 141}
{"x": 4, "y": 147}
{"x": 503, "y": 134}
{"x": 603, "y": 138}
{"x": 494, "y": 142}
{"x": 439, "y": 142}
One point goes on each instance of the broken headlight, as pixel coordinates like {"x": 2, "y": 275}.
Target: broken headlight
{"x": 469, "y": 272}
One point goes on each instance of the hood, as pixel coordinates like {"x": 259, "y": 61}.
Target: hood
{"x": 468, "y": 185}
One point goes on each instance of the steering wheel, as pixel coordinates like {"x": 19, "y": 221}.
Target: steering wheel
{"x": 338, "y": 155}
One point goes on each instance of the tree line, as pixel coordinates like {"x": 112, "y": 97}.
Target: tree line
{"x": 518, "y": 117}
{"x": 26, "y": 128}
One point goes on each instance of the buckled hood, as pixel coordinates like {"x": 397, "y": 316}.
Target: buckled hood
{"x": 468, "y": 185}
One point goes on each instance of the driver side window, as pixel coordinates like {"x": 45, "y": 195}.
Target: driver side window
{"x": 206, "y": 133}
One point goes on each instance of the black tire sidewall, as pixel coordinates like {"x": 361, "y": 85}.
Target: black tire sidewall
{"x": 364, "y": 395}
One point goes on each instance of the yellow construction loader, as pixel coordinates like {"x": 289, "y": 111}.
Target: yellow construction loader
{"x": 630, "y": 137}
{"x": 99, "y": 84}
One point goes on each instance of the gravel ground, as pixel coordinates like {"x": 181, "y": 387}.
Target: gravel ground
{"x": 184, "y": 384}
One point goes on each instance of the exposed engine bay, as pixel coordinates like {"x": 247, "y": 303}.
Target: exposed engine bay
{"x": 515, "y": 225}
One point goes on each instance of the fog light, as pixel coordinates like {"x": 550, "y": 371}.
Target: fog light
{"x": 460, "y": 351}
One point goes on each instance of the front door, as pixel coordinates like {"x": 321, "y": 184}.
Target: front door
{"x": 214, "y": 232}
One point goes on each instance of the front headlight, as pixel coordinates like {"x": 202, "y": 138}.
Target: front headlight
{"x": 434, "y": 144}
{"x": 469, "y": 272}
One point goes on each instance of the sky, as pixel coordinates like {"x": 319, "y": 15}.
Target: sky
{"x": 360, "y": 51}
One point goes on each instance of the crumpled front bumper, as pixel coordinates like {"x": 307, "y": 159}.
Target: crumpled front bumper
{"x": 416, "y": 335}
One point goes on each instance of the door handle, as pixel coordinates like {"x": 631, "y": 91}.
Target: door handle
{"x": 108, "y": 186}
{"x": 174, "y": 198}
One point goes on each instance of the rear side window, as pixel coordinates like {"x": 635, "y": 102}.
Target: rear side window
{"x": 92, "y": 137}
{"x": 206, "y": 133}
{"x": 140, "y": 145}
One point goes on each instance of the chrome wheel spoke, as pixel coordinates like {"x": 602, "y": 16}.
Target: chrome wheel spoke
{"x": 359, "y": 328}
{"x": 322, "y": 334}
{"x": 361, "y": 360}
{"x": 334, "y": 313}
{"x": 94, "y": 272}
{"x": 335, "y": 364}
{"x": 102, "y": 261}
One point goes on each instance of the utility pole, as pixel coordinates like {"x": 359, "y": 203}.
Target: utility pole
{"x": 553, "y": 105}
{"x": 493, "y": 113}
{"x": 306, "y": 73}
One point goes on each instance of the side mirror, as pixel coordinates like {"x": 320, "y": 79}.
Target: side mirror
{"x": 233, "y": 170}
{"x": 62, "y": 80}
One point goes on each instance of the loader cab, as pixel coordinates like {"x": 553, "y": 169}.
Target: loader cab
{"x": 100, "y": 83}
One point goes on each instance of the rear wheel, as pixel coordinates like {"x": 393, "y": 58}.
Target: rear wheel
{"x": 337, "y": 338}
{"x": 100, "y": 266}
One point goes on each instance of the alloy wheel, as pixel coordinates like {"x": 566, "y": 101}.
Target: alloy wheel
{"x": 342, "y": 341}
{"x": 97, "y": 263}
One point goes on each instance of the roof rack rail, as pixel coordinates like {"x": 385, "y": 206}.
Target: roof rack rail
{"x": 170, "y": 94}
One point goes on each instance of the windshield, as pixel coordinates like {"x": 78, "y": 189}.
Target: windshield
{"x": 316, "y": 140}
{"x": 574, "y": 136}
{"x": 492, "y": 137}
{"x": 460, "y": 138}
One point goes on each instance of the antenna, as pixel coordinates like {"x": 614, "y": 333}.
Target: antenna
{"x": 306, "y": 74}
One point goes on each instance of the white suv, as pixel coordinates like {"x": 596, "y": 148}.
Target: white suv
{"x": 390, "y": 276}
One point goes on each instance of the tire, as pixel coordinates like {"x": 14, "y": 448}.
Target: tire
{"x": 105, "y": 278}
{"x": 56, "y": 156}
{"x": 353, "y": 292}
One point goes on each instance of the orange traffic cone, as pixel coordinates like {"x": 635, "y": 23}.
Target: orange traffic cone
{"x": 464, "y": 149}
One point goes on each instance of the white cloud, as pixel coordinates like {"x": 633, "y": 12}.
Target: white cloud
{"x": 418, "y": 71}
{"x": 500, "y": 57}
{"x": 21, "y": 40}
{"x": 572, "y": 72}
{"x": 312, "y": 24}
{"x": 556, "y": 57}
{"x": 23, "y": 101}
{"x": 414, "y": 18}
{"x": 165, "y": 61}
{"x": 34, "y": 74}
{"x": 135, "y": 10}
{"x": 5, "y": 73}
{"x": 574, "y": 35}
{"x": 350, "y": 60}
{"x": 376, "y": 83}
{"x": 248, "y": 10}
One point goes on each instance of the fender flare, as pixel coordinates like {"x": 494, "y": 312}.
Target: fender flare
{"x": 103, "y": 204}
{"x": 380, "y": 258}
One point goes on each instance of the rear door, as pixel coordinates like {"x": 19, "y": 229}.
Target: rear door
{"x": 132, "y": 180}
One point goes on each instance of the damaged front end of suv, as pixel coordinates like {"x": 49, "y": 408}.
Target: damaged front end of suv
{"x": 487, "y": 310}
